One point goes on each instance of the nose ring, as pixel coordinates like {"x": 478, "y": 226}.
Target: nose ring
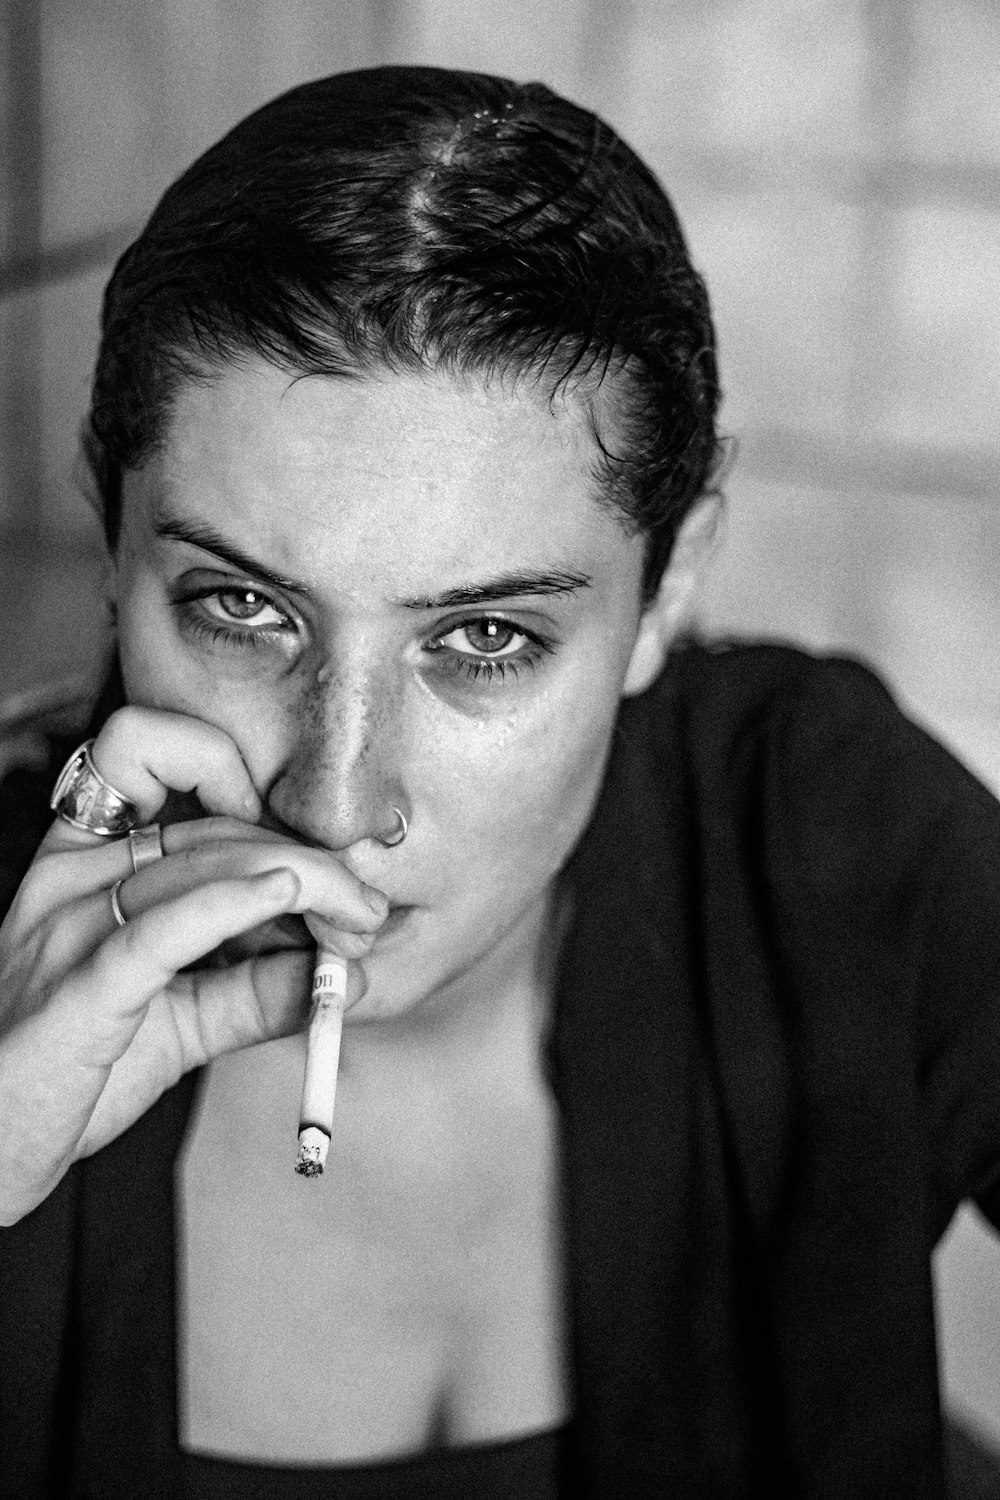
{"x": 398, "y": 834}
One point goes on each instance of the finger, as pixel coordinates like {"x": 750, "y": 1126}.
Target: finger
{"x": 64, "y": 900}
{"x": 73, "y": 862}
{"x": 139, "y": 960}
{"x": 91, "y": 865}
{"x": 209, "y": 830}
{"x": 60, "y": 940}
{"x": 57, "y": 1062}
{"x": 51, "y": 945}
{"x": 223, "y": 1010}
{"x": 146, "y": 752}
{"x": 60, "y": 877}
{"x": 326, "y": 886}
{"x": 334, "y": 939}
{"x": 200, "y": 1017}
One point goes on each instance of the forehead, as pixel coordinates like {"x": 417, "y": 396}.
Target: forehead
{"x": 415, "y": 475}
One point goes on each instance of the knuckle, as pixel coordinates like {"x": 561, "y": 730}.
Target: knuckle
{"x": 122, "y": 732}
{"x": 216, "y": 750}
{"x": 180, "y": 840}
{"x": 217, "y": 829}
{"x": 208, "y": 863}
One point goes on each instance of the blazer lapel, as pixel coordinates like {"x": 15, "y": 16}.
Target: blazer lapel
{"x": 624, "y": 1058}
{"x": 126, "y": 1440}
{"x": 36, "y": 1287}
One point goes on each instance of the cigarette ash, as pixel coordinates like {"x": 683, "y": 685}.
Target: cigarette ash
{"x": 309, "y": 1162}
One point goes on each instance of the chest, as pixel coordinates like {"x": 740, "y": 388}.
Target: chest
{"x": 411, "y": 1295}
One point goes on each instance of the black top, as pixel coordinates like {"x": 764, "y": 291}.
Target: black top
{"x": 522, "y": 1469}
{"x": 774, "y": 1057}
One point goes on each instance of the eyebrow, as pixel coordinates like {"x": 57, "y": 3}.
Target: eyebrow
{"x": 503, "y": 586}
{"x": 209, "y": 540}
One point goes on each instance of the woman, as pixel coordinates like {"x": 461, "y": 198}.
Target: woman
{"x": 673, "y": 984}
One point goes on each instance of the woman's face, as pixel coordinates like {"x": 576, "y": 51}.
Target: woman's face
{"x": 395, "y": 591}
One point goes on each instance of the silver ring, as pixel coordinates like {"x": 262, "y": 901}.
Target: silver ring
{"x": 116, "y": 906}
{"x": 400, "y": 833}
{"x": 145, "y": 845}
{"x": 81, "y": 796}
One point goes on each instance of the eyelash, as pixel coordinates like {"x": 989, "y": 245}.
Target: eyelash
{"x": 484, "y": 668}
{"x": 214, "y": 633}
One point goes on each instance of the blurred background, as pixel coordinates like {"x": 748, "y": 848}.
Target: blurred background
{"x": 837, "y": 166}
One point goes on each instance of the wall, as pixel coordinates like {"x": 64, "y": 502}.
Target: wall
{"x": 837, "y": 164}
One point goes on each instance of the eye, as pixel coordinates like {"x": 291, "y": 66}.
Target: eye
{"x": 243, "y": 606}
{"x": 485, "y": 636}
{"x": 486, "y": 650}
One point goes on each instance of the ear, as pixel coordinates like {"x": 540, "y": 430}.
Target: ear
{"x": 668, "y": 612}
{"x": 84, "y": 482}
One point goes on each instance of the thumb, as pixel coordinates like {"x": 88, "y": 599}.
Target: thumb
{"x": 254, "y": 1001}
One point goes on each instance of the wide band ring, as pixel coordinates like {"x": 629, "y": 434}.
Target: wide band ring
{"x": 81, "y": 796}
{"x": 145, "y": 845}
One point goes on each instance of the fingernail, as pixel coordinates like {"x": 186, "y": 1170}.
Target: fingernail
{"x": 377, "y": 900}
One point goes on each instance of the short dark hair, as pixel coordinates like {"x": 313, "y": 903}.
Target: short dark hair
{"x": 407, "y": 218}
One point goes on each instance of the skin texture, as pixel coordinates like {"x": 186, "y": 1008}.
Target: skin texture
{"x": 431, "y": 1248}
{"x": 343, "y": 700}
{"x": 360, "y": 655}
{"x": 301, "y": 707}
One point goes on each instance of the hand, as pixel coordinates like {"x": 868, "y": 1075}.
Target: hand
{"x": 97, "y": 1020}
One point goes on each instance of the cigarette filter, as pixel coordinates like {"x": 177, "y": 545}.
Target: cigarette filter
{"x": 319, "y": 1089}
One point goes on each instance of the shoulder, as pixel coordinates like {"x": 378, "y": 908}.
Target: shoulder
{"x": 810, "y": 800}
{"x": 815, "y": 752}
{"x": 865, "y": 858}
{"x": 735, "y": 691}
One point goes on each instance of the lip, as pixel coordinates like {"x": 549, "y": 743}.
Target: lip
{"x": 394, "y": 923}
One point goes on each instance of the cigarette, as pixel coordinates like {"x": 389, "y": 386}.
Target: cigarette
{"x": 319, "y": 1088}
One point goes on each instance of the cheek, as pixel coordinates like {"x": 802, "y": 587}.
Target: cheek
{"x": 145, "y": 650}
{"x": 522, "y": 787}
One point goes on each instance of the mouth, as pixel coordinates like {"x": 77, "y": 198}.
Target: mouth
{"x": 397, "y": 919}
{"x": 289, "y": 933}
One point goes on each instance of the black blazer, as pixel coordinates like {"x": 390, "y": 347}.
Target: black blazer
{"x": 775, "y": 1052}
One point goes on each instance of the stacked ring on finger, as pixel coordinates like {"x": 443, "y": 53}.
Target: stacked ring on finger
{"x": 116, "y": 906}
{"x": 83, "y": 797}
{"x": 146, "y": 847}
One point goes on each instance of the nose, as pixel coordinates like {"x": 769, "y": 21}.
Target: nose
{"x": 340, "y": 780}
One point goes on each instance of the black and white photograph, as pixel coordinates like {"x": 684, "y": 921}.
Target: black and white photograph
{"x": 500, "y": 750}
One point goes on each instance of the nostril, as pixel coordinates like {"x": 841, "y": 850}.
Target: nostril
{"x": 335, "y": 785}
